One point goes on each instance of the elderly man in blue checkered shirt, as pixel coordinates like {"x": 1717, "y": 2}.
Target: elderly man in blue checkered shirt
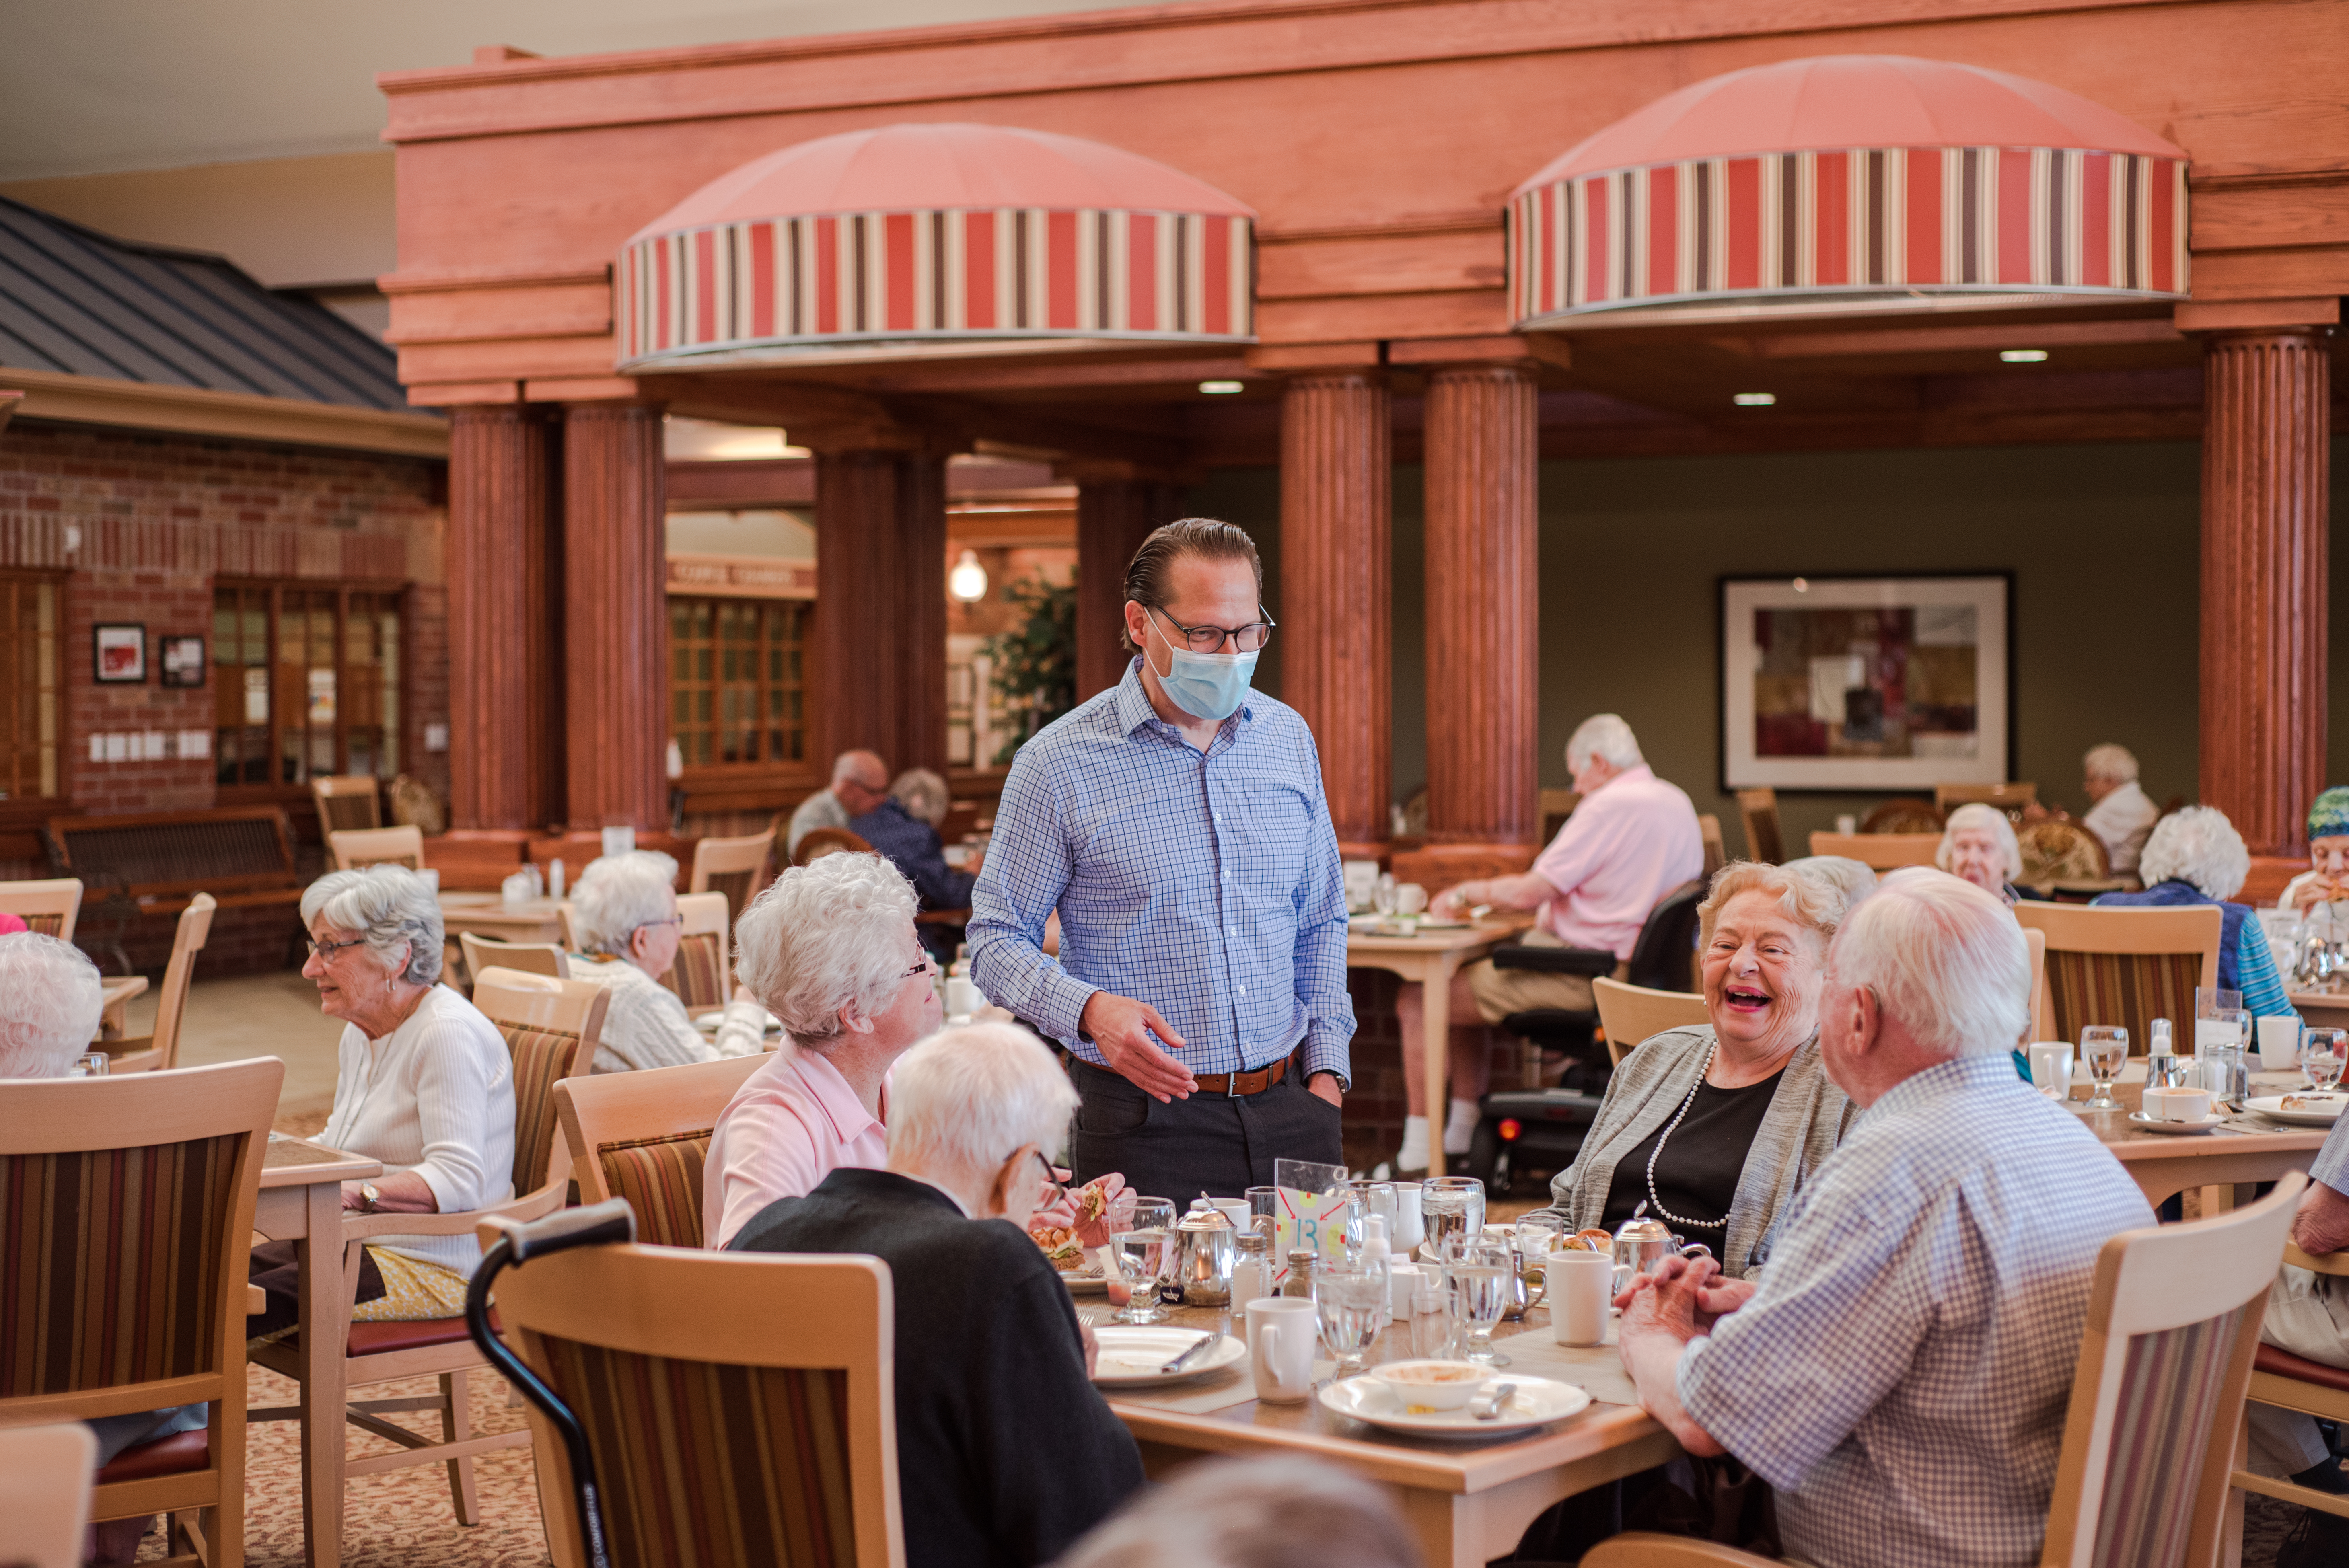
{"x": 1899, "y": 1373}
{"x": 1177, "y": 822}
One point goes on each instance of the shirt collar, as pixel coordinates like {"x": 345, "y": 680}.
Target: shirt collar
{"x": 1134, "y": 709}
{"x": 1975, "y": 1070}
{"x": 833, "y": 1097}
{"x": 1637, "y": 770}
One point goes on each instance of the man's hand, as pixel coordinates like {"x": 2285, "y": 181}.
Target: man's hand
{"x": 2321, "y": 1224}
{"x": 1094, "y": 1219}
{"x": 1326, "y": 1085}
{"x": 1453, "y": 899}
{"x": 1697, "y": 1285}
{"x": 1120, "y": 1028}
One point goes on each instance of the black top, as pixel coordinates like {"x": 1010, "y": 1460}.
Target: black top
{"x": 1697, "y": 1176}
{"x": 1006, "y": 1452}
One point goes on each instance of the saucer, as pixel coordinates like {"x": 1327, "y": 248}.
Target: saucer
{"x": 2176, "y": 1129}
{"x": 1538, "y": 1402}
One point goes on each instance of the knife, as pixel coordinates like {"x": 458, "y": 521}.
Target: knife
{"x": 1182, "y": 1360}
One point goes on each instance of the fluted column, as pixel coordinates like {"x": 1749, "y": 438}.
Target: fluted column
{"x": 880, "y": 637}
{"x": 1337, "y": 605}
{"x": 2267, "y": 402}
{"x": 615, "y": 655}
{"x": 1116, "y": 509}
{"x": 505, "y": 573}
{"x": 1482, "y": 640}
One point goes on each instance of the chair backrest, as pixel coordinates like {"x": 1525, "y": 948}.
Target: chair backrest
{"x": 49, "y": 906}
{"x": 645, "y": 1137}
{"x": 126, "y": 1213}
{"x": 346, "y": 803}
{"x": 1947, "y": 798}
{"x": 531, "y": 957}
{"x": 2124, "y": 966}
{"x": 734, "y": 867}
{"x": 2158, "y": 1394}
{"x": 1629, "y": 1014}
{"x": 1666, "y": 942}
{"x": 45, "y": 1474}
{"x": 766, "y": 1414}
{"x": 1880, "y": 851}
{"x": 2057, "y": 850}
{"x": 354, "y": 849}
{"x": 818, "y": 843}
{"x": 702, "y": 975}
{"x": 1764, "y": 842}
{"x": 2043, "y": 1013}
{"x": 1557, "y": 806}
{"x": 551, "y": 1026}
{"x": 1903, "y": 817}
{"x": 1717, "y": 851}
{"x": 160, "y": 1053}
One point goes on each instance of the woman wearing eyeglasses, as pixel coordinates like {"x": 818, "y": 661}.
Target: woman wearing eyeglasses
{"x": 624, "y": 918}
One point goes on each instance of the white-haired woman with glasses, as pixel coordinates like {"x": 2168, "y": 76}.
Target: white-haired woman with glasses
{"x": 1978, "y": 845}
{"x": 423, "y": 1083}
{"x": 624, "y": 921}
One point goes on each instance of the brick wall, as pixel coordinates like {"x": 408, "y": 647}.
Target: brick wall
{"x": 1375, "y": 1106}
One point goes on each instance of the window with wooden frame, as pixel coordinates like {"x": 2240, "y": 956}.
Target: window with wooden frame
{"x": 308, "y": 681}
{"x": 736, "y": 680}
{"x": 31, "y": 704}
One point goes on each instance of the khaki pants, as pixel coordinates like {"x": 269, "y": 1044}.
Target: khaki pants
{"x": 2308, "y": 1315}
{"x": 1501, "y": 992}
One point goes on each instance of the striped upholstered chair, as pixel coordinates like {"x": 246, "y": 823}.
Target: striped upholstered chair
{"x": 760, "y": 1427}
{"x": 49, "y": 906}
{"x": 2124, "y": 966}
{"x": 125, "y": 1205}
{"x": 645, "y": 1136}
{"x": 2157, "y": 1402}
{"x": 703, "y": 974}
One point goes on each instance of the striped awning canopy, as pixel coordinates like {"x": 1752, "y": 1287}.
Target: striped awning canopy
{"x": 1849, "y": 183}
{"x": 927, "y": 240}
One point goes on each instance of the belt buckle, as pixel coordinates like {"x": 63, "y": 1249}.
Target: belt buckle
{"x": 1231, "y": 1085}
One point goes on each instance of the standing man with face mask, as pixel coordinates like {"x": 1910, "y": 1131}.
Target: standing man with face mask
{"x": 1177, "y": 822}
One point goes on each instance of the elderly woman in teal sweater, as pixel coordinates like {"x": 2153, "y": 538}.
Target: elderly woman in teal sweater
{"x": 2195, "y": 856}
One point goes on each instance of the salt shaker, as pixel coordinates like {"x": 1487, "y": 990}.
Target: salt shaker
{"x": 1252, "y": 1275}
{"x": 1300, "y": 1282}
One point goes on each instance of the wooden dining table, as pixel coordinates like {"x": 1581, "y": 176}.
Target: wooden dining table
{"x": 2248, "y": 1149}
{"x": 115, "y": 991}
{"x": 488, "y": 914}
{"x": 1466, "y": 1501}
{"x": 1431, "y": 958}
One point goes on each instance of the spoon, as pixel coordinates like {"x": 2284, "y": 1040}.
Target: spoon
{"x": 1486, "y": 1406}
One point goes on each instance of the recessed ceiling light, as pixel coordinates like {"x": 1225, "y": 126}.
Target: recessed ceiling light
{"x": 1756, "y": 400}
{"x": 1222, "y": 388}
{"x": 2022, "y": 355}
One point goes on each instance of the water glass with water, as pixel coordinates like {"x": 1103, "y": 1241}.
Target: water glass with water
{"x": 1534, "y": 1236}
{"x": 1352, "y": 1301}
{"x": 2104, "y": 1048}
{"x": 2323, "y": 1055}
{"x": 1482, "y": 1283}
{"x": 1144, "y": 1259}
{"x": 1451, "y": 1209}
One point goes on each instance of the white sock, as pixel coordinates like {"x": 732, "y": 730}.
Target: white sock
{"x": 1460, "y": 1128}
{"x": 1415, "y": 1144}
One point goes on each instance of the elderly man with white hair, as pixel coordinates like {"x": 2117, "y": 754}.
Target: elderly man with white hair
{"x": 624, "y": 917}
{"x": 1632, "y": 838}
{"x": 1005, "y": 1453}
{"x": 859, "y": 781}
{"x": 2120, "y": 811}
{"x": 1900, "y": 1373}
{"x": 2196, "y": 856}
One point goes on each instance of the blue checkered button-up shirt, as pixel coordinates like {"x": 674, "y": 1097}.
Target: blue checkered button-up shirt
{"x": 1207, "y": 886}
{"x": 1902, "y": 1374}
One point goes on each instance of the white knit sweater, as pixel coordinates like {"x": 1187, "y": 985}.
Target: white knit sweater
{"x": 436, "y": 1096}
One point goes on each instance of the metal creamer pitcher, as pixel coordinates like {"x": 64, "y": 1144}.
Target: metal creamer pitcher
{"x": 1205, "y": 1248}
{"x": 1641, "y": 1243}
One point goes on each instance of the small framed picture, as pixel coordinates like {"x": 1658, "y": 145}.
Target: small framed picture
{"x": 118, "y": 653}
{"x": 183, "y": 661}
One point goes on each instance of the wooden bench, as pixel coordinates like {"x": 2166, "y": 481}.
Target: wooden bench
{"x": 154, "y": 864}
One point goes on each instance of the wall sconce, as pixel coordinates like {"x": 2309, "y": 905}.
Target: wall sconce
{"x": 967, "y": 580}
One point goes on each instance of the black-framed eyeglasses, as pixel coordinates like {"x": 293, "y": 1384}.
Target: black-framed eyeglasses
{"x": 327, "y": 949}
{"x": 928, "y": 966}
{"x": 1248, "y": 639}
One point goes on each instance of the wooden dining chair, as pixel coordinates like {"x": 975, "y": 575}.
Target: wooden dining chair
{"x": 735, "y": 868}
{"x": 766, "y": 1413}
{"x": 2054, "y": 851}
{"x": 2007, "y": 797}
{"x": 550, "y": 1029}
{"x": 2295, "y": 1383}
{"x": 2156, "y": 1407}
{"x": 355, "y": 849}
{"x": 1880, "y": 851}
{"x": 2124, "y": 966}
{"x": 45, "y": 1485}
{"x": 346, "y": 803}
{"x": 484, "y": 952}
{"x": 821, "y": 842}
{"x": 126, "y": 1213}
{"x": 1716, "y": 852}
{"x": 2043, "y": 1013}
{"x": 1629, "y": 1014}
{"x": 645, "y": 1137}
{"x": 702, "y": 974}
{"x": 1763, "y": 841}
{"x": 49, "y": 906}
{"x": 1903, "y": 817}
{"x": 159, "y": 1049}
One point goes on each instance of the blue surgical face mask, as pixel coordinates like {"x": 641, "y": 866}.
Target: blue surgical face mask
{"x": 1205, "y": 686}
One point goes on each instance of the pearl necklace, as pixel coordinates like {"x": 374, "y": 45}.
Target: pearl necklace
{"x": 1665, "y": 1136}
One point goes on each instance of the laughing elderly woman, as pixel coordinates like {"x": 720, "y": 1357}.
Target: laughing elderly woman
{"x": 423, "y": 1083}
{"x": 1714, "y": 1129}
{"x": 1978, "y": 845}
{"x": 624, "y": 917}
{"x": 2195, "y": 856}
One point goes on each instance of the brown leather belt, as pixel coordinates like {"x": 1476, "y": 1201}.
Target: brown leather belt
{"x": 1237, "y": 1084}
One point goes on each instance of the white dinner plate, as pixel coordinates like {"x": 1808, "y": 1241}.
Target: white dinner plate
{"x": 2272, "y": 1105}
{"x": 1537, "y": 1402}
{"x": 709, "y": 1023}
{"x": 1086, "y": 1281}
{"x": 2178, "y": 1128}
{"x": 1132, "y": 1354}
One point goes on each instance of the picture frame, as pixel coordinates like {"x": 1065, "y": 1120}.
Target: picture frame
{"x": 117, "y": 653}
{"x": 1864, "y": 685}
{"x": 182, "y": 659}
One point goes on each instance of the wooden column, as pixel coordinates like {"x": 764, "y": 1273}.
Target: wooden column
{"x": 880, "y": 643}
{"x": 505, "y": 572}
{"x": 2266, "y": 404}
{"x": 1337, "y": 605}
{"x": 1482, "y": 640}
{"x": 1117, "y": 506}
{"x": 616, "y": 613}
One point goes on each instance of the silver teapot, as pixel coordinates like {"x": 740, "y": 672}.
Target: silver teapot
{"x": 1641, "y": 1243}
{"x": 1206, "y": 1249}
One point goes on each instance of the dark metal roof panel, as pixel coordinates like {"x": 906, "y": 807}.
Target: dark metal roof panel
{"x": 77, "y": 301}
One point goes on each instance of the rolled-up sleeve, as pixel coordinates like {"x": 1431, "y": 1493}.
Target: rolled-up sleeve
{"x": 1026, "y": 872}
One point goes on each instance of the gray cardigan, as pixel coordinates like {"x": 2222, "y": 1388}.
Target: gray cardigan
{"x": 1807, "y": 1117}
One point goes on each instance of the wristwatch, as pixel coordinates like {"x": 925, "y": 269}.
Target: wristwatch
{"x": 370, "y": 1195}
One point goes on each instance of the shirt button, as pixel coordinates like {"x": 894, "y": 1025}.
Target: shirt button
{"x": 1243, "y": 990}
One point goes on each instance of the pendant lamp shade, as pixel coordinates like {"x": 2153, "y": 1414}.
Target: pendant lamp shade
{"x": 935, "y": 238}
{"x": 1850, "y": 181}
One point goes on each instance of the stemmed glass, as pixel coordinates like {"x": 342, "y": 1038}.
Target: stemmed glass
{"x": 2105, "y": 1048}
{"x": 1353, "y": 1302}
{"x": 1145, "y": 1255}
{"x": 2323, "y": 1055}
{"x": 1480, "y": 1284}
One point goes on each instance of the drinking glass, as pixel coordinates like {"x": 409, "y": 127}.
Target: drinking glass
{"x": 2105, "y": 1048}
{"x": 1453, "y": 1208}
{"x": 2322, "y": 1053}
{"x": 1369, "y": 1198}
{"x": 93, "y": 1064}
{"x": 1144, "y": 1259}
{"x": 1536, "y": 1233}
{"x": 1382, "y": 894}
{"x": 1352, "y": 1301}
{"x": 1479, "y": 1288}
{"x": 1264, "y": 1212}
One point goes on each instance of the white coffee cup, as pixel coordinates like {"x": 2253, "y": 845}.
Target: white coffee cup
{"x": 1581, "y": 1286}
{"x": 963, "y": 997}
{"x": 1236, "y": 1210}
{"x": 1411, "y": 899}
{"x": 1410, "y": 1225}
{"x": 1282, "y": 1333}
{"x": 1403, "y": 1279}
{"x": 2051, "y": 1069}
{"x": 2177, "y": 1104}
{"x": 2279, "y": 1044}
{"x": 1847, "y": 824}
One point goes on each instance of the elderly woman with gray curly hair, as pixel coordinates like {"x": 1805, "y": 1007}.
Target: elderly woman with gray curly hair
{"x": 2195, "y": 856}
{"x": 423, "y": 1083}
{"x": 624, "y": 918}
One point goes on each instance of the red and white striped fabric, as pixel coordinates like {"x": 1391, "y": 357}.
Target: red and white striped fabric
{"x": 1939, "y": 219}
{"x": 941, "y": 274}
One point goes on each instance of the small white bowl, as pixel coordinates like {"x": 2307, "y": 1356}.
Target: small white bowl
{"x": 1410, "y": 1383}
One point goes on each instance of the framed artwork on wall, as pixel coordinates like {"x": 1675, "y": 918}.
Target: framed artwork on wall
{"x": 1857, "y": 684}
{"x": 118, "y": 653}
{"x": 183, "y": 661}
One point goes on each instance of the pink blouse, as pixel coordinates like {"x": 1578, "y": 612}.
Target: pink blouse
{"x": 792, "y": 1123}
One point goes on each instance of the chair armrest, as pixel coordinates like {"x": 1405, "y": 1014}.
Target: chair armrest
{"x": 359, "y": 1227}
{"x": 1592, "y": 961}
{"x": 1637, "y": 1549}
{"x": 2335, "y": 1263}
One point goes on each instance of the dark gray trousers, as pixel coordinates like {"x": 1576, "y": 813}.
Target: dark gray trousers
{"x": 1212, "y": 1143}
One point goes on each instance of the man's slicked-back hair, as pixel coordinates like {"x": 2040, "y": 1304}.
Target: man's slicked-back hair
{"x": 1148, "y": 577}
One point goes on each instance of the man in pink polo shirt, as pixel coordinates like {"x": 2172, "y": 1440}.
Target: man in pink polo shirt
{"x": 1632, "y": 838}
